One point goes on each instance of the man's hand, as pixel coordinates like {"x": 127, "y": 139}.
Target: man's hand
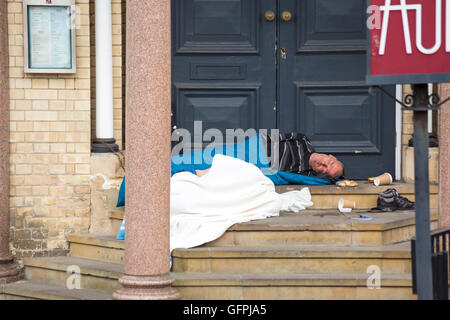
{"x": 201, "y": 173}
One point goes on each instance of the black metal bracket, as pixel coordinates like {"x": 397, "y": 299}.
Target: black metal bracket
{"x": 433, "y": 101}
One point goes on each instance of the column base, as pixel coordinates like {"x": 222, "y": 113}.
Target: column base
{"x": 104, "y": 146}
{"x": 9, "y": 270}
{"x": 147, "y": 288}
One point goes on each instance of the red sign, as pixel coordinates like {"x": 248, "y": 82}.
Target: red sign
{"x": 409, "y": 41}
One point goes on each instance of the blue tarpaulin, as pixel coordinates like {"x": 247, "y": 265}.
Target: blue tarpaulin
{"x": 250, "y": 150}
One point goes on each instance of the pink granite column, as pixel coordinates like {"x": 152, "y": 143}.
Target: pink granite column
{"x": 444, "y": 158}
{"x": 9, "y": 271}
{"x": 148, "y": 108}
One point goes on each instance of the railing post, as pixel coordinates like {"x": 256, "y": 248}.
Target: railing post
{"x": 422, "y": 193}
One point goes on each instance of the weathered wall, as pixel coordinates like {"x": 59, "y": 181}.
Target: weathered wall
{"x": 408, "y": 152}
{"x": 50, "y": 144}
{"x": 444, "y": 158}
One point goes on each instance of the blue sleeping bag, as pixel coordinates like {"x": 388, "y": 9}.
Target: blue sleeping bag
{"x": 250, "y": 150}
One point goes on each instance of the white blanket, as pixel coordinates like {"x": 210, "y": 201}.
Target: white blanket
{"x": 233, "y": 191}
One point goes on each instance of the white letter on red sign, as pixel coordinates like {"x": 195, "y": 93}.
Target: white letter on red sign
{"x": 438, "y": 32}
{"x": 403, "y": 7}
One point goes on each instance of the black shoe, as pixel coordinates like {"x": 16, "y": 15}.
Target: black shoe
{"x": 390, "y": 200}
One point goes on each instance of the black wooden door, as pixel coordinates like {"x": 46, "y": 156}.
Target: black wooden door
{"x": 234, "y": 68}
{"x": 223, "y": 64}
{"x": 322, "y": 89}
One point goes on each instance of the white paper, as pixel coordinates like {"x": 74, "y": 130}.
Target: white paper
{"x": 50, "y": 37}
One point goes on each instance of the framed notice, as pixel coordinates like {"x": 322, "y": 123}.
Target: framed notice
{"x": 49, "y": 36}
{"x": 408, "y": 41}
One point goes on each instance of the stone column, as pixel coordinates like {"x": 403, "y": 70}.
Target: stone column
{"x": 148, "y": 107}
{"x": 444, "y": 158}
{"x": 9, "y": 271}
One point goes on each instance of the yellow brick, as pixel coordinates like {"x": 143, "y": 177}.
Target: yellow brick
{"x": 57, "y": 83}
{"x": 23, "y": 83}
{"x": 16, "y": 180}
{"x": 70, "y": 148}
{"x": 17, "y": 115}
{"x": 14, "y": 7}
{"x": 57, "y": 169}
{"x": 41, "y": 115}
{"x": 40, "y": 191}
{"x": 57, "y": 126}
{"x": 41, "y": 147}
{"x": 17, "y": 94}
{"x": 24, "y": 169}
{"x": 57, "y": 105}
{"x": 23, "y": 191}
{"x": 66, "y": 94}
{"x": 82, "y": 84}
{"x": 23, "y": 104}
{"x": 40, "y": 94}
{"x": 40, "y": 105}
{"x": 24, "y": 147}
{"x": 24, "y": 126}
{"x": 41, "y": 126}
{"x": 82, "y": 169}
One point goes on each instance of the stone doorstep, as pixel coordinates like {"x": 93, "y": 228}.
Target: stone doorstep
{"x": 329, "y": 219}
{"x": 394, "y": 251}
{"x": 305, "y": 228}
{"x": 105, "y": 276}
{"x": 30, "y": 290}
{"x": 306, "y": 260}
{"x": 315, "y": 220}
{"x": 326, "y": 197}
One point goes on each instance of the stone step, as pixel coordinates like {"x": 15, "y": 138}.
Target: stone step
{"x": 95, "y": 247}
{"x": 365, "y": 194}
{"x": 116, "y": 217}
{"x": 327, "y": 197}
{"x": 212, "y": 286}
{"x": 324, "y": 227}
{"x": 289, "y": 260}
{"x": 100, "y": 276}
{"x": 94, "y": 274}
{"x": 31, "y": 290}
{"x": 309, "y": 227}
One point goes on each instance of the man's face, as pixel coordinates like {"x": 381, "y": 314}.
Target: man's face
{"x": 323, "y": 163}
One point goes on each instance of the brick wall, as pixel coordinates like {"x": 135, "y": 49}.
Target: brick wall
{"x": 50, "y": 145}
{"x": 118, "y": 63}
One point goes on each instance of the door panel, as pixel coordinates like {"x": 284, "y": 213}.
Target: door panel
{"x": 223, "y": 64}
{"x": 227, "y": 73}
{"x": 322, "y": 89}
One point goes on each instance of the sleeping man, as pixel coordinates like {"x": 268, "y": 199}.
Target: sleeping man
{"x": 294, "y": 153}
{"x": 209, "y": 196}
{"x": 205, "y": 202}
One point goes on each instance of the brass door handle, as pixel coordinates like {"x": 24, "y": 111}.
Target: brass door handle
{"x": 269, "y": 15}
{"x": 286, "y": 16}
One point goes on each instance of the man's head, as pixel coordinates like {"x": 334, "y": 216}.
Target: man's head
{"x": 328, "y": 164}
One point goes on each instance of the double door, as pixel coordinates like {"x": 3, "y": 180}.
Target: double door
{"x": 294, "y": 65}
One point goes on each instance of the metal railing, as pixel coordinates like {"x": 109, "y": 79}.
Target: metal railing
{"x": 440, "y": 248}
